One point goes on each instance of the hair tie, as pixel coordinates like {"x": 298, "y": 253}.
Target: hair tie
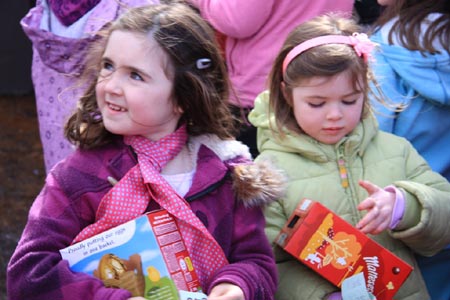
{"x": 203, "y": 63}
{"x": 359, "y": 41}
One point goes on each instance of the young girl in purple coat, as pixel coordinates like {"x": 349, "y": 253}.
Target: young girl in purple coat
{"x": 154, "y": 126}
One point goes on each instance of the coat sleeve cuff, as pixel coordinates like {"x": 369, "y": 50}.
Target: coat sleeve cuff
{"x": 399, "y": 206}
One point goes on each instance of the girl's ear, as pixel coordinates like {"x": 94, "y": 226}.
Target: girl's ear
{"x": 176, "y": 106}
{"x": 286, "y": 93}
{"x": 178, "y": 109}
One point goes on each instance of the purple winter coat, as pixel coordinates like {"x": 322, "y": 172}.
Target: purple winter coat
{"x": 69, "y": 201}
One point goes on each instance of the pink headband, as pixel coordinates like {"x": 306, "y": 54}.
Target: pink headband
{"x": 360, "y": 42}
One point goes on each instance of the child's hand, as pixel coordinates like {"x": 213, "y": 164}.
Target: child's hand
{"x": 226, "y": 291}
{"x": 379, "y": 206}
{"x": 136, "y": 298}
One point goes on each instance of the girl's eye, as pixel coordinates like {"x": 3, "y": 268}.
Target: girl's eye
{"x": 106, "y": 69}
{"x": 349, "y": 102}
{"x": 315, "y": 105}
{"x": 136, "y": 76}
{"x": 107, "y": 66}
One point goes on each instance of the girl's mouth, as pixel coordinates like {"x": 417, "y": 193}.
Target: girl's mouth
{"x": 115, "y": 107}
{"x": 333, "y": 129}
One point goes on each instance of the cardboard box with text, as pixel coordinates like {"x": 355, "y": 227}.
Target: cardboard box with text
{"x": 336, "y": 250}
{"x": 146, "y": 256}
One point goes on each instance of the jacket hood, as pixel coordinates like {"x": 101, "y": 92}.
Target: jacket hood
{"x": 255, "y": 184}
{"x": 354, "y": 144}
{"x": 431, "y": 71}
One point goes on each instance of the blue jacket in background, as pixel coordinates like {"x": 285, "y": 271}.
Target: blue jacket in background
{"x": 422, "y": 81}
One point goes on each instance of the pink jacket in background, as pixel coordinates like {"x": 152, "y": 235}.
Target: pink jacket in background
{"x": 255, "y": 31}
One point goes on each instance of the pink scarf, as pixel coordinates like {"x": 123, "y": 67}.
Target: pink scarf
{"x": 130, "y": 197}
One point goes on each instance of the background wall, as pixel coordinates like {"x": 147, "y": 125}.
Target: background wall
{"x": 15, "y": 49}
{"x": 21, "y": 162}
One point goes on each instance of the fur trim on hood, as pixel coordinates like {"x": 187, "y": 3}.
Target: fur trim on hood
{"x": 254, "y": 183}
{"x": 258, "y": 183}
{"x": 225, "y": 149}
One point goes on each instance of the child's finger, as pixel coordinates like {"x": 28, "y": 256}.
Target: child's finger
{"x": 375, "y": 226}
{"x": 381, "y": 227}
{"x": 366, "y": 204}
{"x": 370, "y": 224}
{"x": 369, "y": 186}
{"x": 365, "y": 225}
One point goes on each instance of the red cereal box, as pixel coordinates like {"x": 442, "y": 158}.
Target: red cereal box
{"x": 336, "y": 250}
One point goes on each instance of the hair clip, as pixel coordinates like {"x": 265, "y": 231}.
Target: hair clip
{"x": 362, "y": 44}
{"x": 96, "y": 115}
{"x": 203, "y": 63}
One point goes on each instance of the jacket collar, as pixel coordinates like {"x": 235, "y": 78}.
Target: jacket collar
{"x": 353, "y": 144}
{"x": 255, "y": 184}
{"x": 210, "y": 172}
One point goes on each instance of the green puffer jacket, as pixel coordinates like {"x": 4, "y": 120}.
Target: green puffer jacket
{"x": 313, "y": 172}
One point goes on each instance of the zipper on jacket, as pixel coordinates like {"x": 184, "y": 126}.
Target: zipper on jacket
{"x": 347, "y": 185}
{"x": 209, "y": 189}
{"x": 343, "y": 173}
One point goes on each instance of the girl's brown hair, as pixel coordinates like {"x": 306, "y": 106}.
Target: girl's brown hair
{"x": 325, "y": 60}
{"x": 412, "y": 15}
{"x": 201, "y": 91}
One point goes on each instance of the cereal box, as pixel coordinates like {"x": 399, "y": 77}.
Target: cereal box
{"x": 146, "y": 256}
{"x": 336, "y": 250}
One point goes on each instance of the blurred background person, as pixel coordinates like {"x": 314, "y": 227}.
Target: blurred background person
{"x": 412, "y": 67}
{"x": 61, "y": 32}
{"x": 255, "y": 31}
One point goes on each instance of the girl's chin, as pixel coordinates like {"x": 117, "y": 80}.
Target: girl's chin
{"x": 114, "y": 127}
{"x": 329, "y": 141}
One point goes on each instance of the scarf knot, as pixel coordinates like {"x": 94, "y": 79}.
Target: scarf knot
{"x": 154, "y": 155}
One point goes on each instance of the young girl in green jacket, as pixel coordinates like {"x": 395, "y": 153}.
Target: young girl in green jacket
{"x": 315, "y": 123}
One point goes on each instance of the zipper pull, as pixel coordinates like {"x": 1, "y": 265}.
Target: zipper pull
{"x": 112, "y": 180}
{"x": 343, "y": 173}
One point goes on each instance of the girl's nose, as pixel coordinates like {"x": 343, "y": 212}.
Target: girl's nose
{"x": 112, "y": 83}
{"x": 334, "y": 112}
